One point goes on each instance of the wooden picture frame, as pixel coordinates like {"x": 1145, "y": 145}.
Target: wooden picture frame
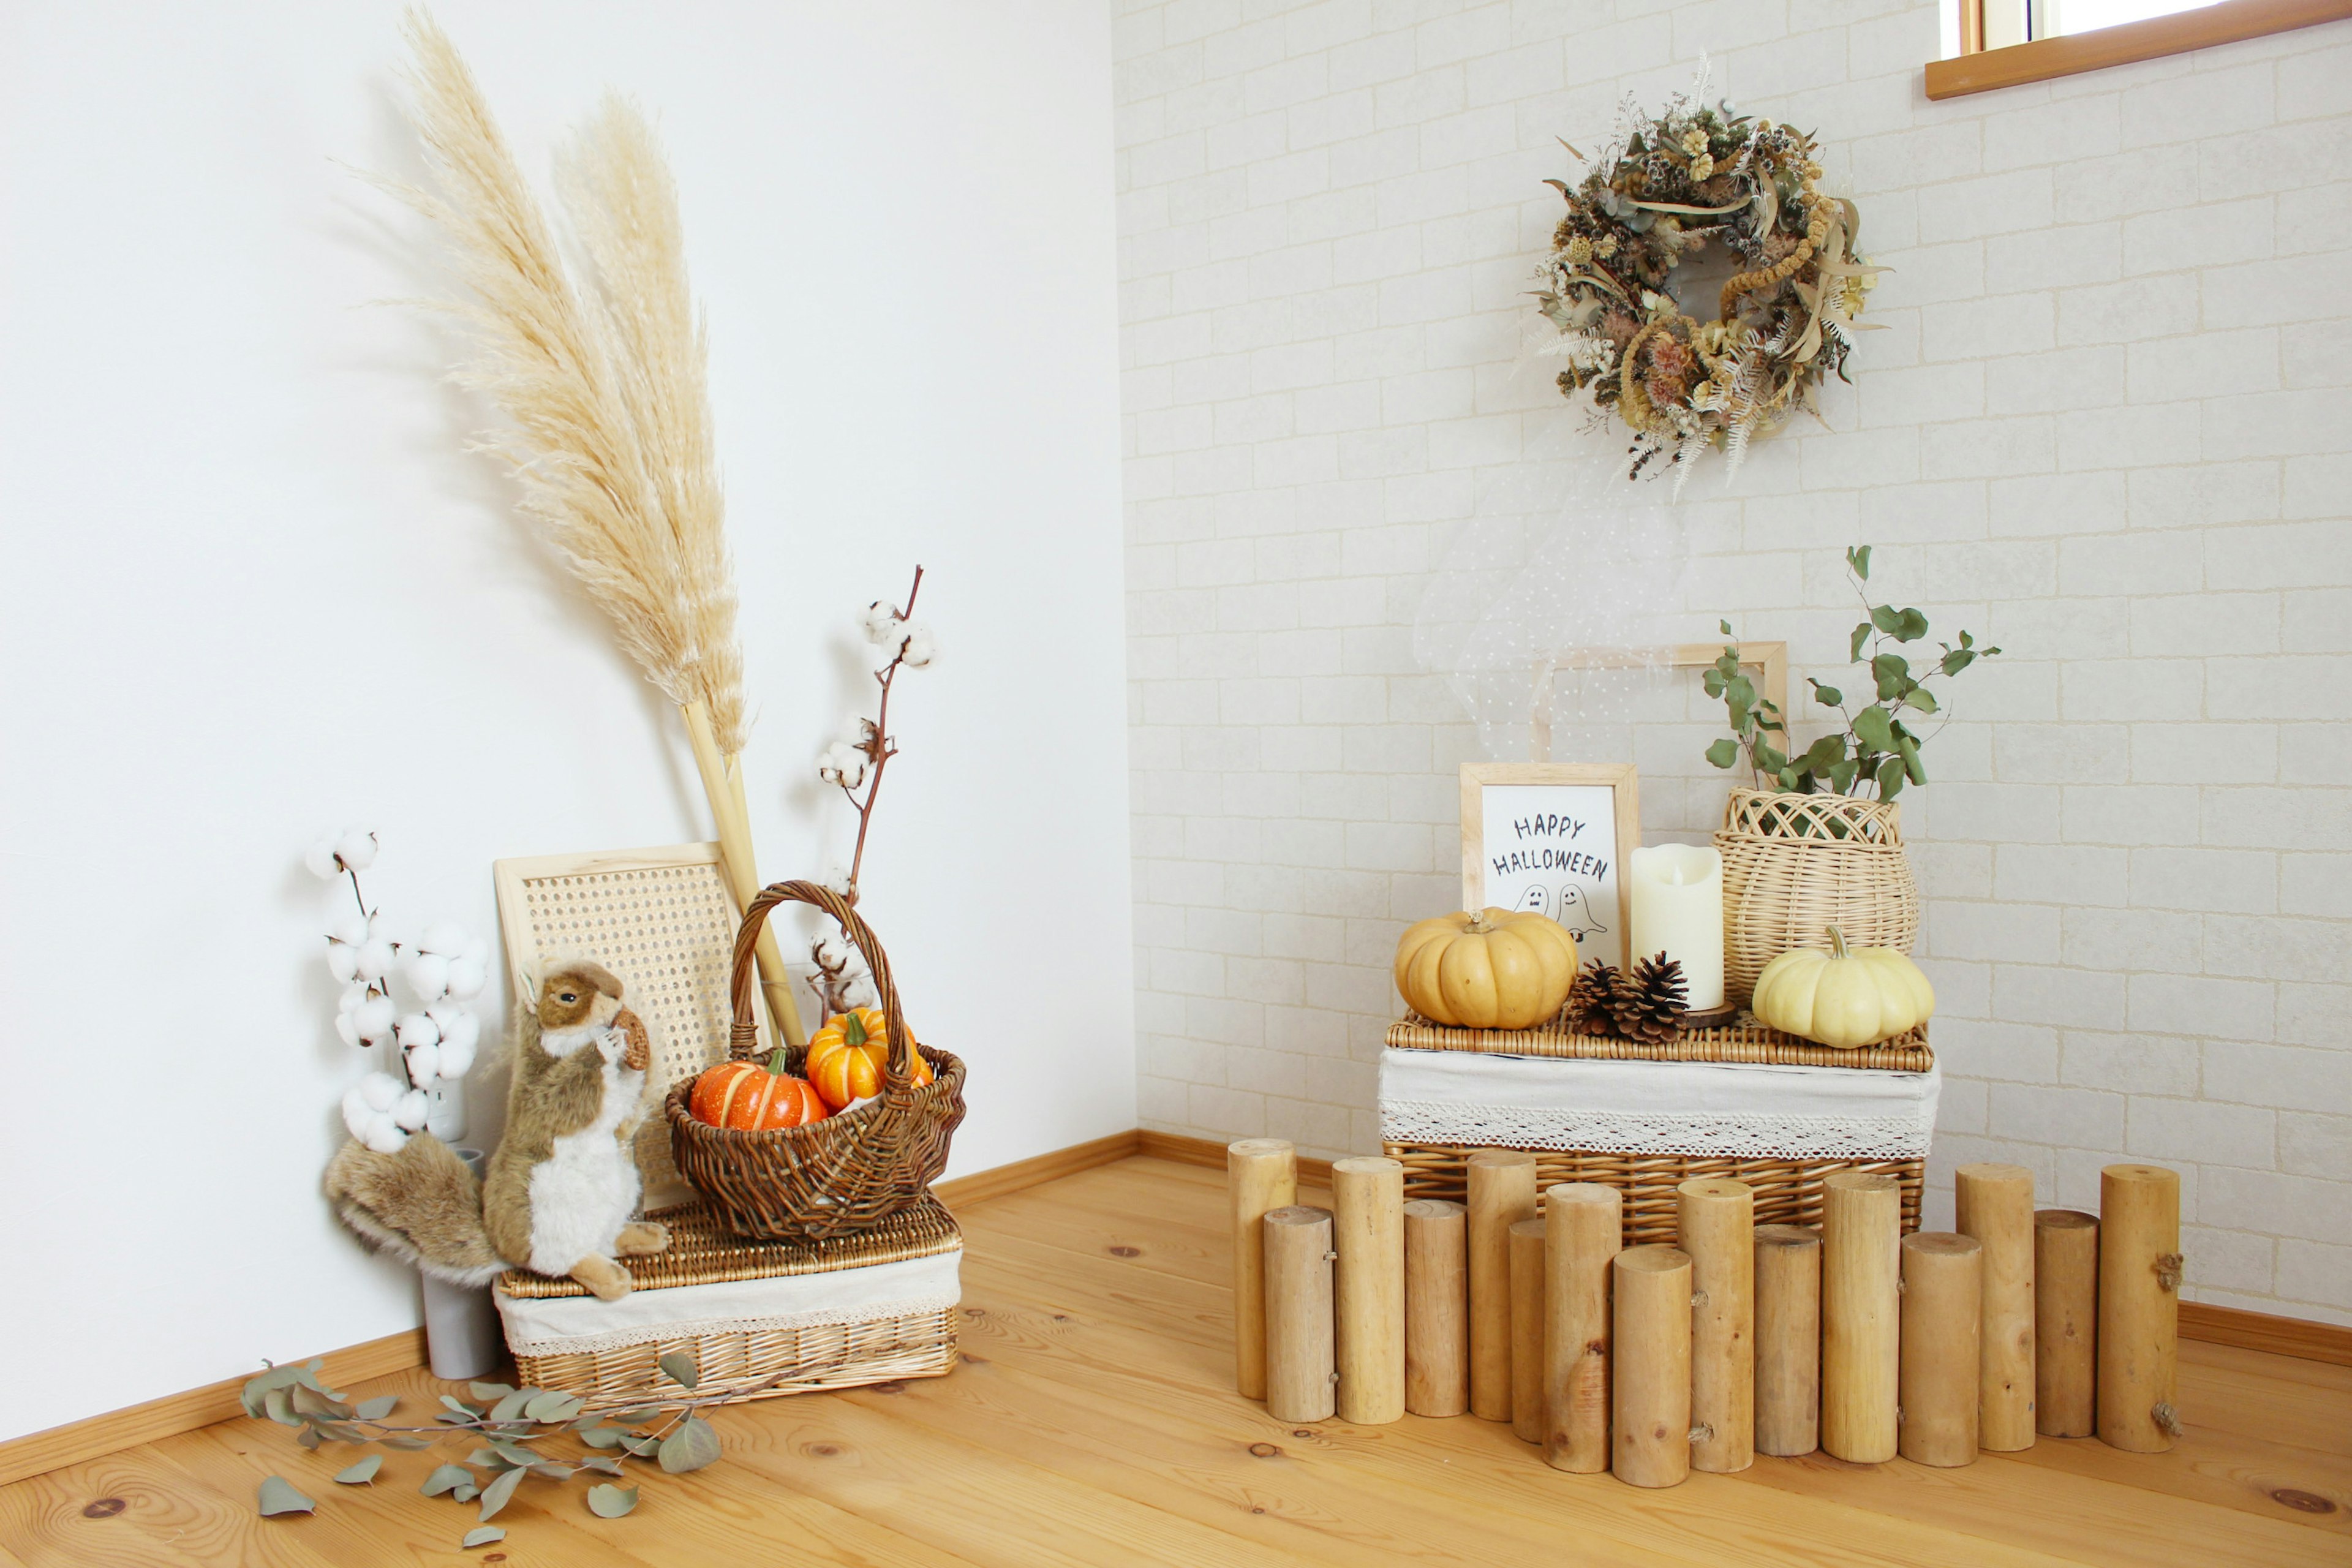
{"x": 1769, "y": 660}
{"x": 1574, "y": 863}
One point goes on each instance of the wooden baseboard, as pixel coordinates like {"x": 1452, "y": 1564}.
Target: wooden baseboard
{"x": 1187, "y": 1151}
{"x": 1052, "y": 1166}
{"x": 2298, "y": 1337}
{"x": 96, "y": 1435}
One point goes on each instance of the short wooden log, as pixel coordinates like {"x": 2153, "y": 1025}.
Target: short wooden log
{"x": 1583, "y": 1232}
{"x": 1943, "y": 1307}
{"x": 1529, "y": 1416}
{"x": 1261, "y": 1174}
{"x": 1995, "y": 1204}
{"x": 1368, "y": 1213}
{"x": 2139, "y": 1308}
{"x": 1436, "y": 1308}
{"x": 1651, "y": 1364}
{"x": 1862, "y": 1217}
{"x": 1300, "y": 1381}
{"x": 2065, "y": 1323}
{"x": 1787, "y": 1340}
{"x": 1502, "y": 1192}
{"x": 1716, "y": 1225}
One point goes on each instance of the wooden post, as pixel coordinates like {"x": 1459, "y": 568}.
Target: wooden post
{"x": 1583, "y": 1231}
{"x": 1995, "y": 1204}
{"x": 1436, "y": 1308}
{"x": 2066, "y": 1323}
{"x": 1502, "y": 1192}
{"x": 1261, "y": 1173}
{"x": 1367, "y": 1213}
{"x": 1862, "y": 1218}
{"x": 1298, "y": 1366}
{"x": 1528, "y": 1416}
{"x": 1650, "y": 1391}
{"x": 1943, "y": 1305}
{"x": 1716, "y": 1219}
{"x": 2139, "y": 1307}
{"x": 1787, "y": 1340}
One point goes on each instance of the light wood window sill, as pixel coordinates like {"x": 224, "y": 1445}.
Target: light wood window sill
{"x": 2158, "y": 36}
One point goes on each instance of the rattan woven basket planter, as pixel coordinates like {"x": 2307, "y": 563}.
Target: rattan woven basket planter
{"x": 1788, "y": 1192}
{"x": 852, "y": 1170}
{"x": 1744, "y": 1041}
{"x": 1795, "y": 865}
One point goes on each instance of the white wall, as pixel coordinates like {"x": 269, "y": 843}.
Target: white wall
{"x": 2103, "y": 429}
{"x": 254, "y": 588}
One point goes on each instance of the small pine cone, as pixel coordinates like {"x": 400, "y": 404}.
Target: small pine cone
{"x": 1592, "y": 1000}
{"x": 1649, "y": 1001}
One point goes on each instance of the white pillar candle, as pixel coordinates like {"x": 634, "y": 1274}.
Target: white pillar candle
{"x": 1678, "y": 910}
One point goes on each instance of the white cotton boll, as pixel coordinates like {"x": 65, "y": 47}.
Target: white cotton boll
{"x": 320, "y": 858}
{"x": 477, "y": 950}
{"x": 385, "y": 1137}
{"x": 880, "y": 621}
{"x": 467, "y": 978}
{"x": 379, "y": 1091}
{"x": 832, "y": 950}
{"x": 424, "y": 1063}
{"x": 371, "y": 1126}
{"x": 922, "y": 646}
{"x": 459, "y": 1028}
{"x": 859, "y": 992}
{"x": 352, "y": 996}
{"x": 446, "y": 938}
{"x": 349, "y": 927}
{"x": 375, "y": 957}
{"x": 348, "y": 1032}
{"x": 356, "y": 847}
{"x": 343, "y": 961}
{"x": 836, "y": 877}
{"x": 429, "y": 973}
{"x": 373, "y": 1018}
{"x": 416, "y": 1029}
{"x": 412, "y": 1111}
{"x": 456, "y": 1060}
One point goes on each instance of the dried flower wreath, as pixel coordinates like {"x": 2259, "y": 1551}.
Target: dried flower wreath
{"x": 1785, "y": 319}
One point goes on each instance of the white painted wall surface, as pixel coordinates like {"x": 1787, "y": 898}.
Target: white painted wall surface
{"x": 2104, "y": 428}
{"x": 253, "y": 588}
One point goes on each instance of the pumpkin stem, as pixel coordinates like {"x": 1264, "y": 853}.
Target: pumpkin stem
{"x": 853, "y": 1028}
{"x": 775, "y": 1063}
{"x": 1837, "y": 943}
{"x": 1479, "y": 926}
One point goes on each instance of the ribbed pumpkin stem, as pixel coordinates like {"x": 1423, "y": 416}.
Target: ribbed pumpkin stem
{"x": 1837, "y": 943}
{"x": 1479, "y": 926}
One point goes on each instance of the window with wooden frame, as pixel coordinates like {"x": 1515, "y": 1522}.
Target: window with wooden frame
{"x": 2007, "y": 43}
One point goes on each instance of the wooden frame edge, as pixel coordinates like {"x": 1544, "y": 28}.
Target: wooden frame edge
{"x": 1623, "y": 781}
{"x": 2228, "y": 22}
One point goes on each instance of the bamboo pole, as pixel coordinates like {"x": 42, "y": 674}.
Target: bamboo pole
{"x": 1436, "y": 1308}
{"x": 1502, "y": 1185}
{"x": 1367, "y": 1210}
{"x": 1583, "y": 1232}
{"x": 1650, "y": 1391}
{"x": 1943, "y": 1306}
{"x": 2139, "y": 1308}
{"x": 1716, "y": 1220}
{"x": 2065, "y": 1323}
{"x": 1300, "y": 1382}
{"x": 1995, "y": 1204}
{"x": 1526, "y": 1254}
{"x": 722, "y": 785}
{"x": 1862, "y": 1220}
{"x": 1261, "y": 1173}
{"x": 1787, "y": 1340}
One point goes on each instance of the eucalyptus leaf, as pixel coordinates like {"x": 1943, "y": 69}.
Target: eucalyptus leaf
{"x": 631, "y": 1417}
{"x": 1858, "y": 558}
{"x": 1860, "y": 635}
{"x": 692, "y": 1445}
{"x": 279, "y": 1496}
{"x": 495, "y": 1495}
{"x": 309, "y": 1401}
{"x": 461, "y": 1407}
{"x": 280, "y": 1408}
{"x": 611, "y": 1436}
{"x": 445, "y": 1478}
{"x": 1890, "y": 778}
{"x": 548, "y": 1470}
{"x": 605, "y": 1464}
{"x": 466, "y": 1493}
{"x": 1874, "y": 729}
{"x": 1828, "y": 696}
{"x": 1920, "y": 697}
{"x": 482, "y": 1535}
{"x": 376, "y": 1409}
{"x": 515, "y": 1453}
{"x": 1724, "y": 752}
{"x": 362, "y": 1472}
{"x": 608, "y": 1501}
{"x": 642, "y": 1447}
{"x": 1910, "y": 626}
{"x": 489, "y": 1392}
{"x": 683, "y": 1369}
{"x": 407, "y": 1445}
{"x": 1885, "y": 618}
{"x": 311, "y": 1437}
{"x": 510, "y": 1408}
{"x": 554, "y": 1408}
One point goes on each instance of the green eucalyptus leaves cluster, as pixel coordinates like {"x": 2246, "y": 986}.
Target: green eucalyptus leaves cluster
{"x": 1877, "y": 752}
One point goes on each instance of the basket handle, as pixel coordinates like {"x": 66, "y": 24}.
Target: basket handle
{"x": 743, "y": 1039}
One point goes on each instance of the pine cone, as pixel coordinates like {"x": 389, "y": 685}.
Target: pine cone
{"x": 1592, "y": 1000}
{"x": 1649, "y": 1004}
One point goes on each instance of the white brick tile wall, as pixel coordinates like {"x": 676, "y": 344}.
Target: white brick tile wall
{"x": 2088, "y": 432}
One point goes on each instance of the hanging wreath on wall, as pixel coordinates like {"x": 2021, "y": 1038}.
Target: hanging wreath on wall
{"x": 1651, "y": 207}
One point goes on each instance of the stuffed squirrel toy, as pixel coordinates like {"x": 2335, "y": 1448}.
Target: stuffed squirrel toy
{"x": 564, "y": 1183}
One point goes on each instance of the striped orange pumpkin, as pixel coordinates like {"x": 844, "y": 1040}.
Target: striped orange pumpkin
{"x": 754, "y": 1096}
{"x": 846, "y": 1057}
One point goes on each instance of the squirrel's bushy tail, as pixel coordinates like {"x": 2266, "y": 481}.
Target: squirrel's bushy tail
{"x": 421, "y": 1204}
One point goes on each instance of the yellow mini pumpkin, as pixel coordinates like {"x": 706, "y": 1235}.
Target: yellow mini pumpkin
{"x": 1499, "y": 969}
{"x": 1841, "y": 998}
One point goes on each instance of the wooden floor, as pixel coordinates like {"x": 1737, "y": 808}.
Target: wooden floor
{"x": 1093, "y": 1423}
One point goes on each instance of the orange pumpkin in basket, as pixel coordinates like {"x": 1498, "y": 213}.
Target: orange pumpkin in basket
{"x": 755, "y": 1097}
{"x": 847, "y": 1059}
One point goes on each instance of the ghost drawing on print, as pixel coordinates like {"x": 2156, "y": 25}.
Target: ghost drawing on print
{"x": 1567, "y": 904}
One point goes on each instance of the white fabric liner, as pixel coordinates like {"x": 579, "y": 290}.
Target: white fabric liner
{"x": 566, "y": 1325}
{"x": 1717, "y": 1110}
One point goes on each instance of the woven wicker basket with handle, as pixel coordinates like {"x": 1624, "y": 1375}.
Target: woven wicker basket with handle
{"x": 1795, "y": 865}
{"x": 849, "y": 1171}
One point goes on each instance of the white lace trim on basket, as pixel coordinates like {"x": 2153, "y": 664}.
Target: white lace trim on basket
{"x": 1710, "y": 1137}
{"x": 571, "y": 1325}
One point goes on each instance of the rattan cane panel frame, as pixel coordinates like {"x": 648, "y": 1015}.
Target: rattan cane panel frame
{"x": 1788, "y": 1192}
{"x": 763, "y": 1364}
{"x": 1746, "y": 1041}
{"x": 703, "y": 1251}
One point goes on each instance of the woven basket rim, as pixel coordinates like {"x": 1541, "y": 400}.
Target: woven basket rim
{"x": 682, "y": 1093}
{"x": 1762, "y": 813}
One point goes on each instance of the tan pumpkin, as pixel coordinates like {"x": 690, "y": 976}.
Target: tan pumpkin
{"x": 1846, "y": 998}
{"x": 1499, "y": 969}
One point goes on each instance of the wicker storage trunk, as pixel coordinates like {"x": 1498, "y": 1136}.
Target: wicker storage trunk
{"x": 762, "y": 1319}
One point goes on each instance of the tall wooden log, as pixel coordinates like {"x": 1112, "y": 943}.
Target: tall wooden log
{"x": 2065, "y": 1323}
{"x": 1716, "y": 1219}
{"x": 1995, "y": 1204}
{"x": 1299, "y": 1381}
{"x": 1502, "y": 1185}
{"x": 1583, "y": 1232}
{"x": 1650, "y": 1388}
{"x": 1368, "y": 1213}
{"x": 1261, "y": 1173}
{"x": 1943, "y": 1306}
{"x": 1861, "y": 1219}
{"x": 1436, "y": 1308}
{"x": 2139, "y": 1308}
{"x": 1529, "y": 1416}
{"x": 1787, "y": 1340}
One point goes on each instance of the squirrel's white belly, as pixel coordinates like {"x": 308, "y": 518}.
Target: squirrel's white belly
{"x": 585, "y": 1191}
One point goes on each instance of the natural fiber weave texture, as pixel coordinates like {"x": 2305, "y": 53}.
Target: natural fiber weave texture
{"x": 765, "y": 1364}
{"x": 1788, "y": 1192}
{"x": 1745, "y": 1041}
{"x": 703, "y": 1251}
{"x": 851, "y": 1171}
{"x": 1795, "y": 865}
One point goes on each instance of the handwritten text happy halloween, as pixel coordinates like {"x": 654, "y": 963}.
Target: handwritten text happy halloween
{"x": 1548, "y": 856}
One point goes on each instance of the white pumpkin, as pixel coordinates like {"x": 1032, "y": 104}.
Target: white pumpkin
{"x": 1842, "y": 998}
